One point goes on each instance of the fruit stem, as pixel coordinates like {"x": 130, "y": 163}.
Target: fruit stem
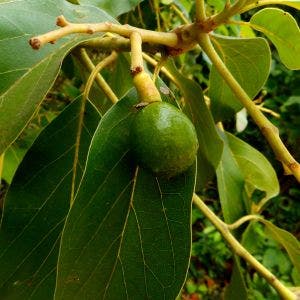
{"x": 142, "y": 81}
{"x": 239, "y": 250}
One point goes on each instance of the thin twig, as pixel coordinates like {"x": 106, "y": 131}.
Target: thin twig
{"x": 239, "y": 250}
{"x": 180, "y": 14}
{"x": 154, "y": 63}
{"x": 164, "y": 38}
{"x": 242, "y": 220}
{"x": 87, "y": 62}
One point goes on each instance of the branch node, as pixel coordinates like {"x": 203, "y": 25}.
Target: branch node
{"x": 35, "y": 43}
{"x": 61, "y": 21}
{"x": 90, "y": 30}
{"x": 136, "y": 70}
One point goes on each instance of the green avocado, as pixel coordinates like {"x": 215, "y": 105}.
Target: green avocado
{"x": 163, "y": 139}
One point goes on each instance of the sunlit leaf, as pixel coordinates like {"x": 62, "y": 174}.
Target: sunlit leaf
{"x": 36, "y": 205}
{"x": 249, "y": 62}
{"x": 127, "y": 235}
{"x": 27, "y": 75}
{"x": 282, "y": 29}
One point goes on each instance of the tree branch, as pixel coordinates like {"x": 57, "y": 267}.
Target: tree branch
{"x": 87, "y": 62}
{"x": 200, "y": 11}
{"x": 239, "y": 250}
{"x": 164, "y": 38}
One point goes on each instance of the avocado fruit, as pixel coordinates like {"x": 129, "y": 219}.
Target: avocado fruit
{"x": 163, "y": 139}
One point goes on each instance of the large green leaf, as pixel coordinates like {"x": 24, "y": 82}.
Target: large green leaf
{"x": 231, "y": 184}
{"x": 237, "y": 288}
{"x": 36, "y": 206}
{"x": 287, "y": 240}
{"x": 26, "y": 75}
{"x": 249, "y": 62}
{"x": 113, "y": 7}
{"x": 127, "y": 235}
{"x": 257, "y": 171}
{"x": 210, "y": 144}
{"x": 282, "y": 29}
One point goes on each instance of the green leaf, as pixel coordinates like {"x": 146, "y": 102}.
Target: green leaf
{"x": 249, "y": 62}
{"x": 210, "y": 144}
{"x": 287, "y": 240}
{"x": 36, "y": 205}
{"x": 257, "y": 171}
{"x": 127, "y": 235}
{"x": 237, "y": 288}
{"x": 242, "y": 172}
{"x": 231, "y": 184}
{"x": 119, "y": 79}
{"x": 27, "y": 75}
{"x": 113, "y": 7}
{"x": 282, "y": 29}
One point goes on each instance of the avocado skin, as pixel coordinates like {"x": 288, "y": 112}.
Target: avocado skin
{"x": 163, "y": 139}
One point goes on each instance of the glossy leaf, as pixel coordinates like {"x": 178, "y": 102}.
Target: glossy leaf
{"x": 249, "y": 62}
{"x": 27, "y": 75}
{"x": 282, "y": 29}
{"x": 287, "y": 240}
{"x": 113, "y": 7}
{"x": 210, "y": 144}
{"x": 257, "y": 171}
{"x": 127, "y": 235}
{"x": 36, "y": 205}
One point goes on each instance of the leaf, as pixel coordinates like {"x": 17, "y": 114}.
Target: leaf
{"x": 287, "y": 240}
{"x": 127, "y": 235}
{"x": 26, "y": 75}
{"x": 237, "y": 288}
{"x": 282, "y": 29}
{"x": 249, "y": 62}
{"x": 210, "y": 144}
{"x": 113, "y": 7}
{"x": 257, "y": 171}
{"x": 36, "y": 205}
{"x": 231, "y": 184}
